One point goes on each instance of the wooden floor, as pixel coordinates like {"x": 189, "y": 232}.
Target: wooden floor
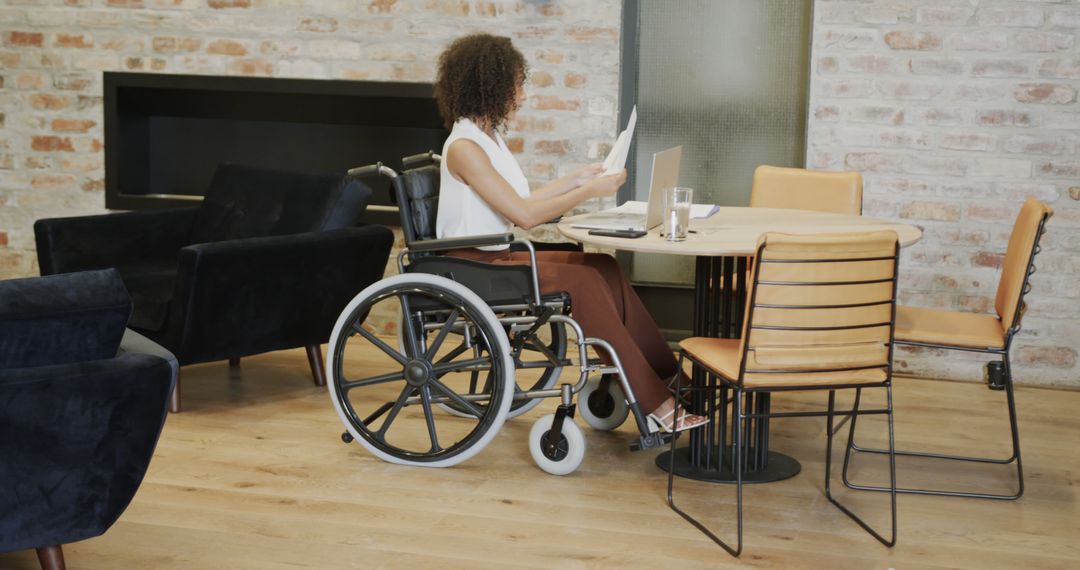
{"x": 253, "y": 475}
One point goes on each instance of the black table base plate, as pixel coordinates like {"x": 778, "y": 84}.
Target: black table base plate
{"x": 779, "y": 467}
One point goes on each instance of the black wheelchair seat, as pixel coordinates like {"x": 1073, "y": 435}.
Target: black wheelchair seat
{"x": 496, "y": 284}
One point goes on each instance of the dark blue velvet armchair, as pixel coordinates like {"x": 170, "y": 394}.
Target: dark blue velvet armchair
{"x": 266, "y": 262}
{"x": 82, "y": 403}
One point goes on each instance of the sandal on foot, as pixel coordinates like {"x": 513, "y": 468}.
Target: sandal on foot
{"x": 685, "y": 421}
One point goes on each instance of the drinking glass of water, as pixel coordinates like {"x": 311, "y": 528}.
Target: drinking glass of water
{"x": 677, "y": 202}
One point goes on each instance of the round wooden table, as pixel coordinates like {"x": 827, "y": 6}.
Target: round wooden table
{"x": 722, "y": 245}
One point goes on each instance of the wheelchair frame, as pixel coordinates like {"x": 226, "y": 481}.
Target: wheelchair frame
{"x": 523, "y": 320}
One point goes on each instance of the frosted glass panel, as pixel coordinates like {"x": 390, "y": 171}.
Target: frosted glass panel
{"x": 728, "y": 81}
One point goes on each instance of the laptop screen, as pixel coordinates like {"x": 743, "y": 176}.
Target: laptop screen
{"x": 665, "y": 175}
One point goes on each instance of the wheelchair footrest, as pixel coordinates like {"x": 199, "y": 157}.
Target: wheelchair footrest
{"x": 650, "y": 441}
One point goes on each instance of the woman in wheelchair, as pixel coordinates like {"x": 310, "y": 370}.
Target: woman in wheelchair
{"x": 480, "y": 87}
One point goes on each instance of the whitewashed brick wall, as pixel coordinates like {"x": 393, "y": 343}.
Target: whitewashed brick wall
{"x": 53, "y": 53}
{"x": 955, "y": 112}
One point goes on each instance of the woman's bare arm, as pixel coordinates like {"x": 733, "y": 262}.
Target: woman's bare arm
{"x": 567, "y": 183}
{"x": 467, "y": 162}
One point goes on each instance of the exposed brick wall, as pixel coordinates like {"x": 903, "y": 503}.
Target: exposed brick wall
{"x": 955, "y": 112}
{"x": 52, "y": 54}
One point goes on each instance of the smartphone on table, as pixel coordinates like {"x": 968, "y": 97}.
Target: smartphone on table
{"x": 628, "y": 233}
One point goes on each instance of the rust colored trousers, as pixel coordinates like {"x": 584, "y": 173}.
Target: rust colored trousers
{"x": 607, "y": 307}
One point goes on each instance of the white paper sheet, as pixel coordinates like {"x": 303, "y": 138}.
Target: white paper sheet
{"x": 616, "y": 159}
{"x": 702, "y": 211}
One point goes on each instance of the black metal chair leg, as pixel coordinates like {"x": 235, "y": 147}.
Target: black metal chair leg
{"x": 854, "y": 417}
{"x": 738, "y": 459}
{"x": 1010, "y": 396}
{"x": 892, "y": 466}
{"x": 836, "y": 429}
{"x": 1014, "y": 429}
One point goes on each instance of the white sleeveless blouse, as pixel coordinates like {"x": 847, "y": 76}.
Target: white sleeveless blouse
{"x": 462, "y": 212}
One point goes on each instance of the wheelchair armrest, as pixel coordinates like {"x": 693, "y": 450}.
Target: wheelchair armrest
{"x": 422, "y": 159}
{"x": 455, "y": 243}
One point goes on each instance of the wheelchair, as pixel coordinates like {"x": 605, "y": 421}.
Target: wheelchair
{"x": 476, "y": 344}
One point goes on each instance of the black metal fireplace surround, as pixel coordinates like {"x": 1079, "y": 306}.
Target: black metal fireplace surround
{"x": 166, "y": 134}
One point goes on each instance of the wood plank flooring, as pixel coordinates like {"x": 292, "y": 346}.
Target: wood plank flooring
{"x": 253, "y": 475}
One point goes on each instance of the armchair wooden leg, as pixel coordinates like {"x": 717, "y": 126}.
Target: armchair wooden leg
{"x": 314, "y": 356}
{"x": 234, "y": 368}
{"x": 174, "y": 399}
{"x": 51, "y": 557}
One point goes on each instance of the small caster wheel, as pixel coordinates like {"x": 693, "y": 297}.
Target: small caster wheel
{"x": 346, "y": 437}
{"x": 566, "y": 455}
{"x": 602, "y": 410}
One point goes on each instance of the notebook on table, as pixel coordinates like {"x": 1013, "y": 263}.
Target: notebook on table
{"x": 641, "y": 215}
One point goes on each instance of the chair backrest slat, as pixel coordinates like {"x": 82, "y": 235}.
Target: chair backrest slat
{"x": 820, "y": 304}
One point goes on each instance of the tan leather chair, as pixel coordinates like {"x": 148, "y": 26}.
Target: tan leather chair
{"x": 801, "y": 189}
{"x": 988, "y": 334}
{"x": 819, "y": 317}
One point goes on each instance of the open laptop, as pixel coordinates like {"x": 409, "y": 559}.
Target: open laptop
{"x": 665, "y": 174}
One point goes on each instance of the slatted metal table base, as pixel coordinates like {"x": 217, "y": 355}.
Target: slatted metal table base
{"x": 720, "y": 290}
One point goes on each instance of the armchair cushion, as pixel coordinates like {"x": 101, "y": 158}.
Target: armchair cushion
{"x": 245, "y": 202}
{"x": 60, "y": 319}
{"x": 77, "y": 439}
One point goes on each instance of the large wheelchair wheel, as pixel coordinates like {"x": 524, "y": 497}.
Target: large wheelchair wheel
{"x": 386, "y": 396}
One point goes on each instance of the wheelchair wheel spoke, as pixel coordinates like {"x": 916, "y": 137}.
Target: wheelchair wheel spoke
{"x": 473, "y": 377}
{"x": 457, "y": 351}
{"x": 471, "y": 364}
{"x": 412, "y": 344}
{"x": 536, "y": 346}
{"x": 379, "y": 343}
{"x": 435, "y": 344}
{"x": 400, "y": 403}
{"x": 472, "y": 409}
{"x": 347, "y": 385}
{"x": 425, "y": 400}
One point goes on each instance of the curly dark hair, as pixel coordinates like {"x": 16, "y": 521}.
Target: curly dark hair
{"x": 477, "y": 78}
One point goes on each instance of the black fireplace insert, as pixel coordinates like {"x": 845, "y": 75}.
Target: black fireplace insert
{"x": 166, "y": 134}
